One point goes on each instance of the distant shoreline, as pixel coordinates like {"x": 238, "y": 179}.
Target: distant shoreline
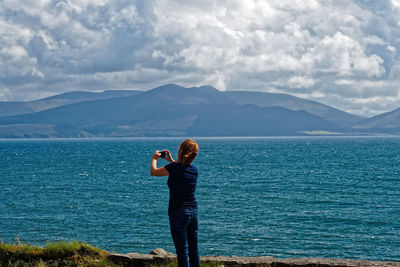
{"x": 203, "y": 137}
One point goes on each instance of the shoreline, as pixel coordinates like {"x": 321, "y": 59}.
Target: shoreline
{"x": 160, "y": 257}
{"x": 75, "y": 253}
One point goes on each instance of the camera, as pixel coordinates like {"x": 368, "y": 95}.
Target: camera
{"x": 163, "y": 154}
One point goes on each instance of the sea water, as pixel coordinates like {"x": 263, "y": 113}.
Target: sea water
{"x": 285, "y": 197}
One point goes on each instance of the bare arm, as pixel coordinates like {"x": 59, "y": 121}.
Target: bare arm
{"x": 154, "y": 171}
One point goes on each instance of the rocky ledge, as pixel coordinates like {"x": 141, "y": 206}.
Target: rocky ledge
{"x": 161, "y": 257}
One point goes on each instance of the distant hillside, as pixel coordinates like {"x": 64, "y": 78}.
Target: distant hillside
{"x": 388, "y": 122}
{"x": 262, "y": 99}
{"x": 16, "y": 108}
{"x": 168, "y": 110}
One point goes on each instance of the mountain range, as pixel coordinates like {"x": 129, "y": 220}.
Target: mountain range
{"x": 172, "y": 110}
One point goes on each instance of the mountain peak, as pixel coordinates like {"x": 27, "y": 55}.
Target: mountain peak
{"x": 166, "y": 87}
{"x": 193, "y": 95}
{"x": 207, "y": 87}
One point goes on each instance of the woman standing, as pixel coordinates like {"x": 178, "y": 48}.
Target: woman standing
{"x": 182, "y": 209}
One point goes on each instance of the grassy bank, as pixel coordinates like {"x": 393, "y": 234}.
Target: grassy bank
{"x": 59, "y": 253}
{"x": 81, "y": 254}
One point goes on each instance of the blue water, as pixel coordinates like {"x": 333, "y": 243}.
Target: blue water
{"x": 285, "y": 197}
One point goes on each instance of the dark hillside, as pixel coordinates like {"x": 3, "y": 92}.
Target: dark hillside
{"x": 172, "y": 110}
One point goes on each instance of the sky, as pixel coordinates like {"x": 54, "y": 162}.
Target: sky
{"x": 344, "y": 53}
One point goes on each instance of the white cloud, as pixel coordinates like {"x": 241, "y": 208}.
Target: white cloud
{"x": 345, "y": 56}
{"x": 81, "y": 5}
{"x": 17, "y": 64}
{"x": 14, "y": 52}
{"x": 391, "y": 48}
{"x": 345, "y": 82}
{"x": 4, "y": 94}
{"x": 395, "y": 4}
{"x": 300, "y": 82}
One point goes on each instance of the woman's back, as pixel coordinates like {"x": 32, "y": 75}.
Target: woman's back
{"x": 182, "y": 182}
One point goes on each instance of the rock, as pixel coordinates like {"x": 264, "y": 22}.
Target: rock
{"x": 161, "y": 252}
{"x": 121, "y": 259}
{"x": 156, "y": 257}
{"x": 159, "y": 256}
{"x": 145, "y": 257}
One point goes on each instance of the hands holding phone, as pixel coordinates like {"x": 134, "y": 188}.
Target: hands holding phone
{"x": 165, "y": 154}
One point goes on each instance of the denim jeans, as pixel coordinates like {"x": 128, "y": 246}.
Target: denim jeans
{"x": 184, "y": 228}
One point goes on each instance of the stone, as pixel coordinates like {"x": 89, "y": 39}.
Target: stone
{"x": 160, "y": 256}
{"x": 121, "y": 259}
{"x": 161, "y": 252}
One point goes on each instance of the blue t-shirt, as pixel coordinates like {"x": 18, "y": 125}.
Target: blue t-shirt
{"x": 182, "y": 182}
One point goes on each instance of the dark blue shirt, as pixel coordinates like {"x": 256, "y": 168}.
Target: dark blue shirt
{"x": 182, "y": 182}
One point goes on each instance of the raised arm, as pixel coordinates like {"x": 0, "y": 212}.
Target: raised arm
{"x": 154, "y": 171}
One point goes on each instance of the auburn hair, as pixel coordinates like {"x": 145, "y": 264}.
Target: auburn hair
{"x": 187, "y": 152}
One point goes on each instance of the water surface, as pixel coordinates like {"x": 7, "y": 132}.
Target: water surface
{"x": 285, "y": 197}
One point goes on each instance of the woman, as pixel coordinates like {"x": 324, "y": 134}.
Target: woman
{"x": 182, "y": 209}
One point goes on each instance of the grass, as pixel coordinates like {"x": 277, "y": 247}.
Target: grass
{"x": 61, "y": 253}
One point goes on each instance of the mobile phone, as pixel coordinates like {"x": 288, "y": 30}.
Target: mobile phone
{"x": 163, "y": 154}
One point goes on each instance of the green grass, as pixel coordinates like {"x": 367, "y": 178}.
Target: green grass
{"x": 63, "y": 253}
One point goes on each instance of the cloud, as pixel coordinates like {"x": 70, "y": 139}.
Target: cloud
{"x": 300, "y": 82}
{"x": 342, "y": 53}
{"x": 344, "y": 56}
{"x": 4, "y": 93}
{"x": 391, "y": 48}
{"x": 395, "y": 4}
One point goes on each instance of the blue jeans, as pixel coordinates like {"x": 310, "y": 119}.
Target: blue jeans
{"x": 184, "y": 229}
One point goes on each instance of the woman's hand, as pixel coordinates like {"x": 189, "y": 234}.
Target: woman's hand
{"x": 168, "y": 156}
{"x": 156, "y": 155}
{"x": 154, "y": 171}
